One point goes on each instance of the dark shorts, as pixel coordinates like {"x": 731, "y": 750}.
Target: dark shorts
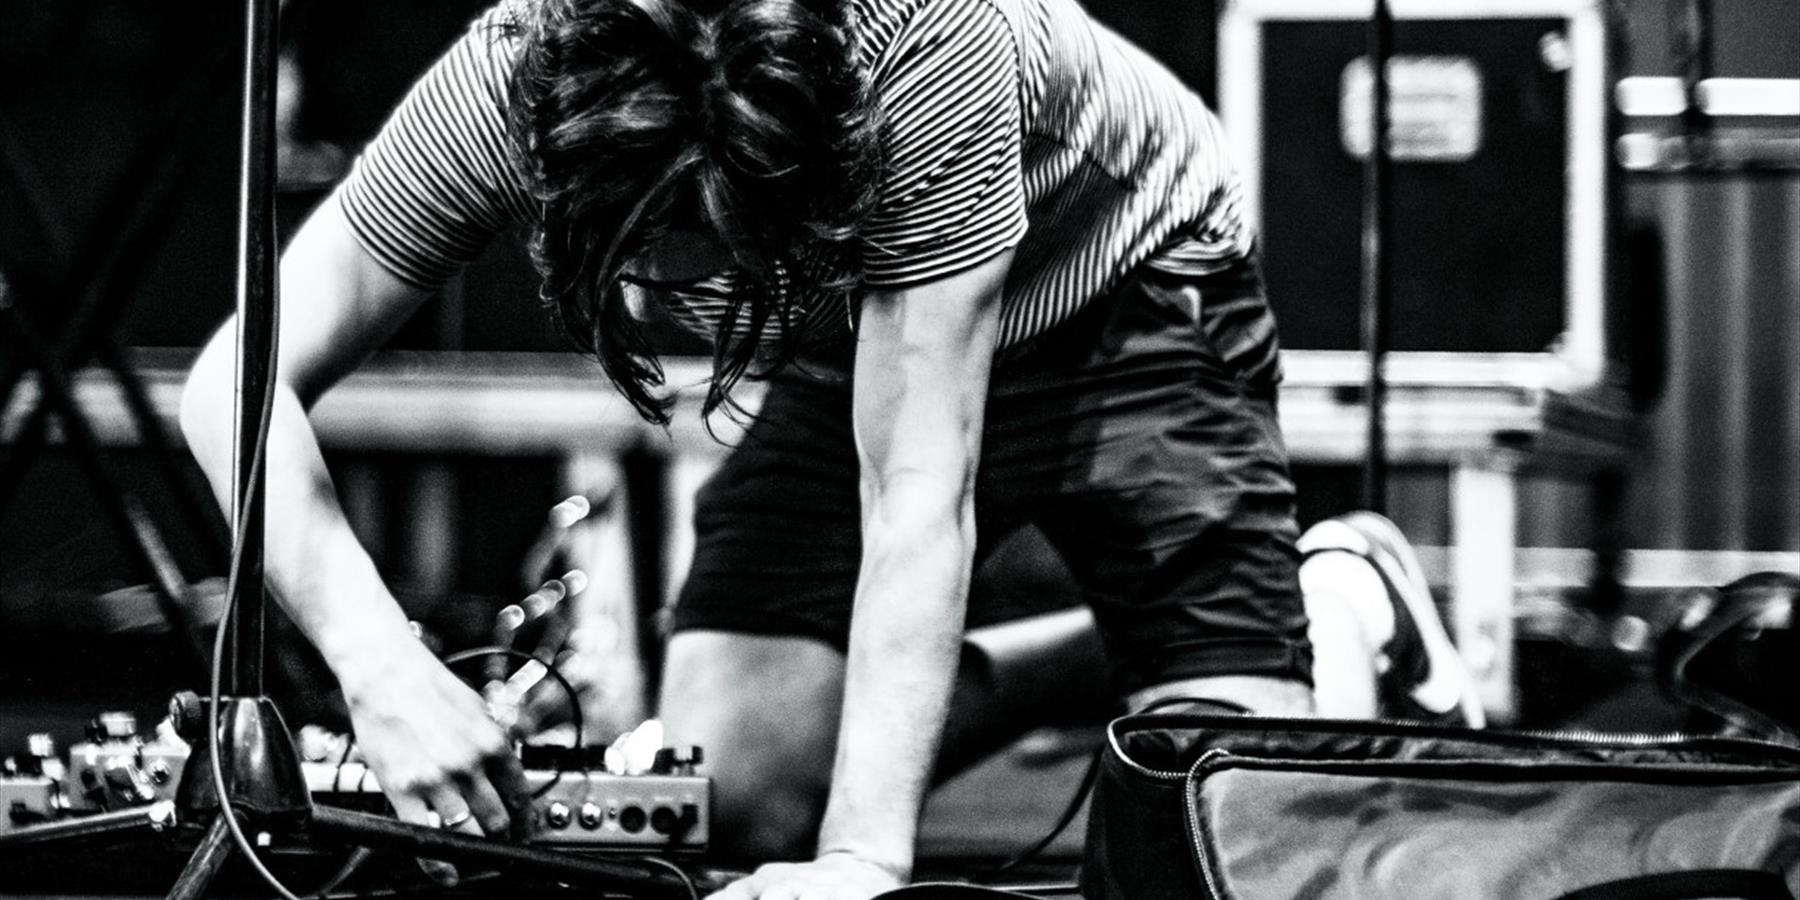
{"x": 1140, "y": 437}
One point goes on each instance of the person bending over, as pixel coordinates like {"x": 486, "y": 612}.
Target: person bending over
{"x": 992, "y": 263}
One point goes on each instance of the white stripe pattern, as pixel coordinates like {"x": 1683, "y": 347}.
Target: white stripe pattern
{"x": 1006, "y": 123}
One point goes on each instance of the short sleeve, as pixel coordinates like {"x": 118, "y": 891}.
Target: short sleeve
{"x": 435, "y": 186}
{"x": 948, "y": 91}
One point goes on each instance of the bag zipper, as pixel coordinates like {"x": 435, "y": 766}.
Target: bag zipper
{"x": 1387, "y": 727}
{"x": 1193, "y": 822}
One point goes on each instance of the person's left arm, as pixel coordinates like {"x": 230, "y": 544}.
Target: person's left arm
{"x": 937, "y": 253}
{"x": 922, "y": 363}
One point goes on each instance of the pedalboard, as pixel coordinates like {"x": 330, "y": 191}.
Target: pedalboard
{"x": 577, "y": 804}
{"x": 573, "y": 809}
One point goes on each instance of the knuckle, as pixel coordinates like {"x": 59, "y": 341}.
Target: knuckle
{"x": 414, "y": 782}
{"x": 491, "y": 746}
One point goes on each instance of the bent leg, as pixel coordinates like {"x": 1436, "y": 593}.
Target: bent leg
{"x": 1260, "y": 695}
{"x": 1346, "y": 629}
{"x": 764, "y": 710}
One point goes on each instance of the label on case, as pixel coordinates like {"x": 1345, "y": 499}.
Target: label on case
{"x": 1434, "y": 108}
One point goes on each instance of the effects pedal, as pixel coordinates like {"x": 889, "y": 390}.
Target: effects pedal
{"x": 31, "y": 785}
{"x": 578, "y": 804}
{"x": 667, "y": 809}
{"x": 118, "y": 768}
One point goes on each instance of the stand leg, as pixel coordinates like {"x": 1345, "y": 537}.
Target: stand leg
{"x": 198, "y": 874}
{"x": 154, "y": 817}
{"x": 382, "y": 833}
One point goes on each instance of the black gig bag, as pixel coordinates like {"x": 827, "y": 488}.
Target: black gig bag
{"x": 1249, "y": 808}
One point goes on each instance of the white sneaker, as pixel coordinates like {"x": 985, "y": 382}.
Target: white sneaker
{"x": 1419, "y": 673}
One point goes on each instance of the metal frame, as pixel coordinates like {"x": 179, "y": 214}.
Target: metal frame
{"x": 1580, "y": 361}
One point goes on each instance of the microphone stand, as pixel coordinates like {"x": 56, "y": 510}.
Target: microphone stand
{"x": 262, "y": 777}
{"x": 256, "y": 777}
{"x": 1376, "y": 284}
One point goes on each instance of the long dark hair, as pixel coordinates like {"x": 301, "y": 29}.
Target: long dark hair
{"x": 746, "y": 119}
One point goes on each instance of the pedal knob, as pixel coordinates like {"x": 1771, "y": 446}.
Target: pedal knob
{"x": 188, "y": 712}
{"x": 40, "y": 755}
{"x": 40, "y": 746}
{"x": 664, "y": 761}
{"x": 557, "y": 815}
{"x": 113, "y": 725}
{"x": 669, "y": 761}
{"x": 591, "y": 815}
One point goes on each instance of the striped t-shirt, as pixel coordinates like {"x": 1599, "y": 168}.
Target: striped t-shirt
{"x": 1005, "y": 123}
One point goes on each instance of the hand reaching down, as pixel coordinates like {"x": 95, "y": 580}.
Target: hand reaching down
{"x": 430, "y": 744}
{"x": 586, "y": 628}
{"x": 833, "y": 876}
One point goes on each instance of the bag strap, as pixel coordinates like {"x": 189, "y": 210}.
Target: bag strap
{"x": 1748, "y": 884}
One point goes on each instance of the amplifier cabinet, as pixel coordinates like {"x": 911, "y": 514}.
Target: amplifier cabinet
{"x": 1497, "y": 225}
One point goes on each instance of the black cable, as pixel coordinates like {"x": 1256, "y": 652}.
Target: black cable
{"x": 357, "y": 857}
{"x": 433, "y": 888}
{"x": 1062, "y": 822}
{"x": 1086, "y": 787}
{"x": 550, "y": 669}
{"x": 686, "y": 880}
{"x": 215, "y": 690}
{"x": 576, "y": 720}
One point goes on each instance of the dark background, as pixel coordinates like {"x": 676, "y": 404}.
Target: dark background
{"x": 103, "y": 100}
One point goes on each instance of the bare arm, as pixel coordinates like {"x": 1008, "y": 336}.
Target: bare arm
{"x": 425, "y": 734}
{"x": 337, "y": 306}
{"x": 922, "y": 363}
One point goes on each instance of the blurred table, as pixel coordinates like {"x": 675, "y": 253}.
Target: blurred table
{"x": 1487, "y": 418}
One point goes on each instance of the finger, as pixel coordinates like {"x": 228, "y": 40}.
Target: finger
{"x": 508, "y": 620}
{"x": 506, "y": 707}
{"x": 741, "y": 889}
{"x": 569, "y": 511}
{"x": 408, "y": 808}
{"x": 576, "y": 581}
{"x": 491, "y": 813}
{"x": 539, "y": 624}
{"x": 426, "y": 636}
{"x": 528, "y": 676}
{"x": 554, "y": 639}
{"x": 534, "y": 715}
{"x": 562, "y": 735}
{"x": 544, "y": 599}
{"x": 514, "y": 793}
{"x": 545, "y": 707}
{"x": 513, "y": 617}
{"x": 454, "y": 812}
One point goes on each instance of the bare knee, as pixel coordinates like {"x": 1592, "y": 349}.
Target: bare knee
{"x": 765, "y": 711}
{"x": 767, "y": 813}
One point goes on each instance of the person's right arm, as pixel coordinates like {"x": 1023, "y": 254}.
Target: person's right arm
{"x": 426, "y": 735}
